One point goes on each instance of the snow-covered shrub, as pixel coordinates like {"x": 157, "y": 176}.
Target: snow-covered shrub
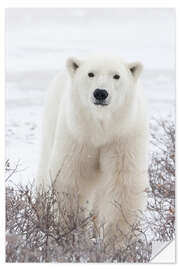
{"x": 162, "y": 180}
{"x": 39, "y": 229}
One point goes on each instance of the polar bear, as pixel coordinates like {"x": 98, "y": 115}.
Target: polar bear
{"x": 95, "y": 138}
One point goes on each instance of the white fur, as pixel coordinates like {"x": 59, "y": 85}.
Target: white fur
{"x": 102, "y": 150}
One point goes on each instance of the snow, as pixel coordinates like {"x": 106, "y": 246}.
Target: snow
{"x": 38, "y": 41}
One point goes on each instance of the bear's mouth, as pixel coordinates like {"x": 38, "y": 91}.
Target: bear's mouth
{"x": 100, "y": 103}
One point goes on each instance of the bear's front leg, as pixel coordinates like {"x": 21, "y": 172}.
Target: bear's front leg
{"x": 121, "y": 194}
{"x": 62, "y": 169}
{"x": 73, "y": 168}
{"x": 64, "y": 175}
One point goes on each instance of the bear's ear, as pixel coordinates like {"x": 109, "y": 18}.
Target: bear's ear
{"x": 72, "y": 65}
{"x": 135, "y": 69}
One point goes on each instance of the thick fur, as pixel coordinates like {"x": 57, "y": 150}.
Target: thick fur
{"x": 101, "y": 151}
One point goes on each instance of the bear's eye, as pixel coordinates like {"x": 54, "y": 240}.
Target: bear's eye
{"x": 90, "y": 74}
{"x": 116, "y": 77}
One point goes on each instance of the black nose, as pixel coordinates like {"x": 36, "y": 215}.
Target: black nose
{"x": 100, "y": 94}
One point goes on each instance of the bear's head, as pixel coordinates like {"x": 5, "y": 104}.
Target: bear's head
{"x": 103, "y": 83}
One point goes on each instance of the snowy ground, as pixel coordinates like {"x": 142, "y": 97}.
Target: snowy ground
{"x": 39, "y": 40}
